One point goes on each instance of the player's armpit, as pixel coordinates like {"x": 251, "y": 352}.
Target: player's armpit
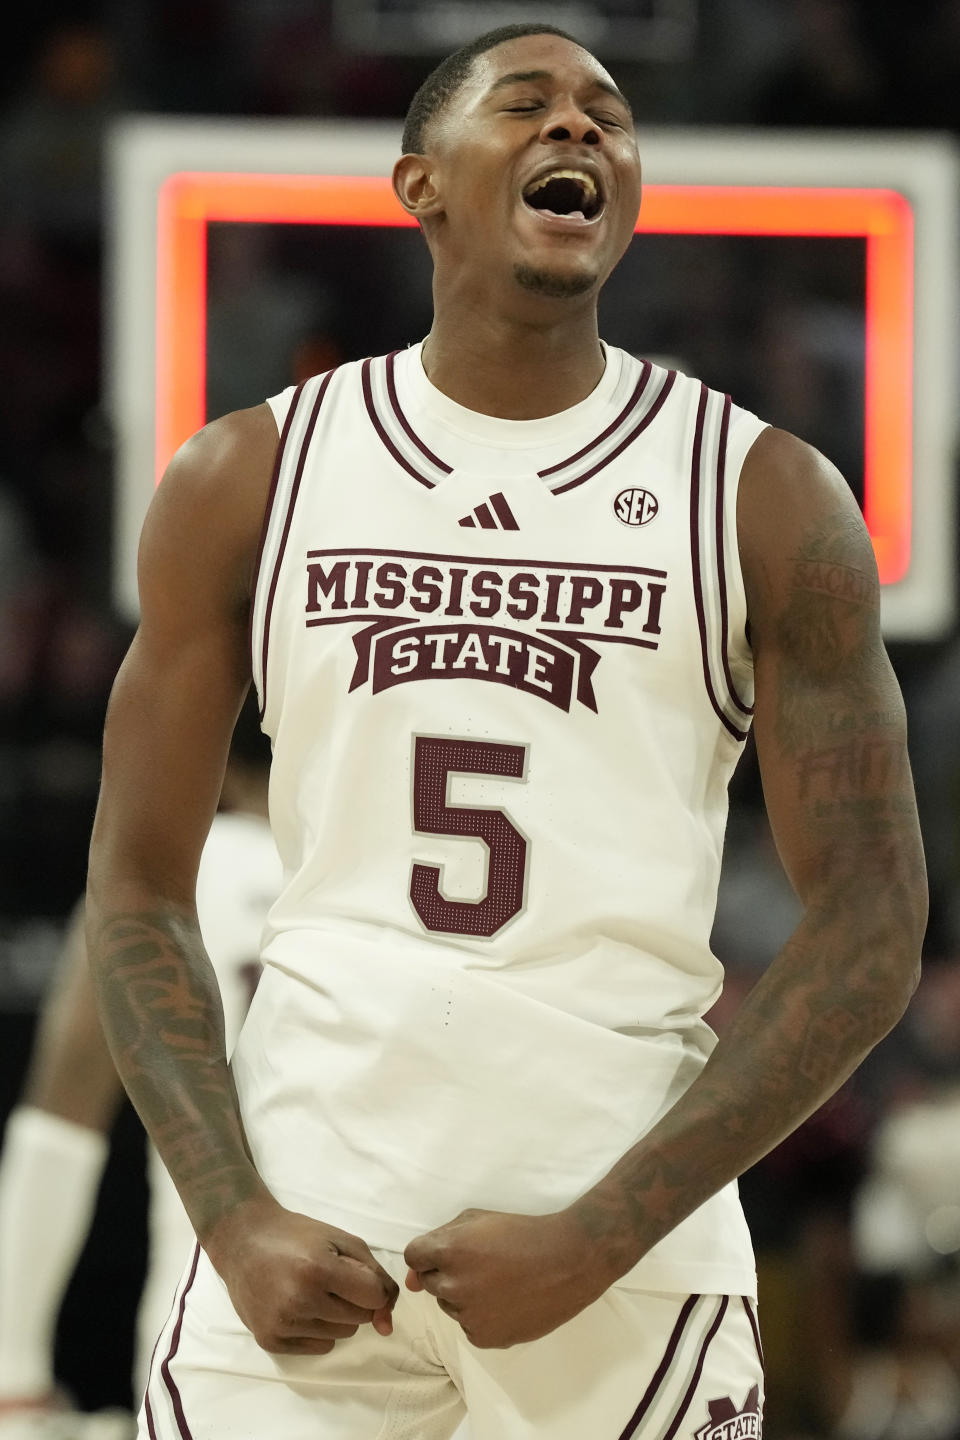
{"x": 831, "y": 739}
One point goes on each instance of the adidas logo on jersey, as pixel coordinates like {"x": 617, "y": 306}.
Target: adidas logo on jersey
{"x": 493, "y": 514}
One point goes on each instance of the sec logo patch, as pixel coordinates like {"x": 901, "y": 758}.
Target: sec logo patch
{"x": 635, "y": 507}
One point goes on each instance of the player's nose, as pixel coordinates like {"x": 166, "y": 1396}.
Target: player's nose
{"x": 567, "y": 121}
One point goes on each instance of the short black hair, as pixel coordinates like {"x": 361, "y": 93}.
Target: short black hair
{"x": 445, "y": 80}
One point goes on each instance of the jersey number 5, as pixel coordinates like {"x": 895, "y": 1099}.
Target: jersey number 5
{"x": 435, "y": 759}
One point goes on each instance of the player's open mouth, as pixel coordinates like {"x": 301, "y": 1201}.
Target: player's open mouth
{"x": 565, "y": 194}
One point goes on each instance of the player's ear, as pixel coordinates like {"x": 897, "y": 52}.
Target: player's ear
{"x": 415, "y": 185}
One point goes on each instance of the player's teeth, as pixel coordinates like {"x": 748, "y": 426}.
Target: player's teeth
{"x": 582, "y": 178}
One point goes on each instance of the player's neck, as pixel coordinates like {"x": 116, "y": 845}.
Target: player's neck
{"x": 515, "y": 371}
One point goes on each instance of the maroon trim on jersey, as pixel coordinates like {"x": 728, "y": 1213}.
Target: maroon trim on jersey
{"x": 268, "y": 508}
{"x": 378, "y": 425}
{"x": 634, "y": 398}
{"x": 491, "y": 560}
{"x": 146, "y": 1394}
{"x": 168, "y": 1379}
{"x": 648, "y": 419}
{"x": 579, "y": 455}
{"x": 405, "y": 423}
{"x": 695, "y": 556}
{"x": 650, "y": 1393}
{"x": 151, "y": 1428}
{"x": 684, "y": 1405}
{"x": 721, "y": 568}
{"x": 272, "y": 492}
{"x": 288, "y": 520}
{"x": 748, "y": 1306}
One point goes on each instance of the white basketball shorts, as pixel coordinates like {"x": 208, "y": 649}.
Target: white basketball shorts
{"x": 634, "y": 1364}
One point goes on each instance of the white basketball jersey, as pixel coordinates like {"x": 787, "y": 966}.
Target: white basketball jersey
{"x": 505, "y": 670}
{"x": 239, "y": 878}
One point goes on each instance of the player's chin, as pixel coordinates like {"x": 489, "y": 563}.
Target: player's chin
{"x": 539, "y": 275}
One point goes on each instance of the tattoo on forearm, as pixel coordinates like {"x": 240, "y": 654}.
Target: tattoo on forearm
{"x": 851, "y": 722}
{"x": 856, "y": 767}
{"x": 790, "y": 1046}
{"x": 162, "y": 1014}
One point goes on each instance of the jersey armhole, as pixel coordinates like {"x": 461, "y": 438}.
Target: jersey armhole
{"x": 723, "y": 433}
{"x": 283, "y": 407}
{"x": 295, "y": 410}
{"x": 745, "y": 428}
{"x": 282, "y": 404}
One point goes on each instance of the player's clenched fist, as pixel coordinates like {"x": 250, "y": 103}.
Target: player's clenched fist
{"x": 299, "y": 1285}
{"x": 506, "y": 1278}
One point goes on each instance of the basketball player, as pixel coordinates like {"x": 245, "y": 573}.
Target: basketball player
{"x": 513, "y": 598}
{"x": 56, "y": 1140}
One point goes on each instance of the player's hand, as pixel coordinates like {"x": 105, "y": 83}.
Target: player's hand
{"x": 506, "y": 1278}
{"x": 297, "y": 1284}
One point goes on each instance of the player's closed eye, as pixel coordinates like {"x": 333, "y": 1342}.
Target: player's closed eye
{"x": 529, "y": 107}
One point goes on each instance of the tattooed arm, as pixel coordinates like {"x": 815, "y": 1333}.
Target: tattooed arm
{"x": 297, "y": 1284}
{"x": 831, "y": 739}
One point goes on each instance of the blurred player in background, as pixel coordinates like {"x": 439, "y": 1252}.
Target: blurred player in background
{"x": 56, "y": 1140}
{"x": 512, "y": 605}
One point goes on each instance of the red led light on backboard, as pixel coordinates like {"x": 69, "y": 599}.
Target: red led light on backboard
{"x": 883, "y": 218}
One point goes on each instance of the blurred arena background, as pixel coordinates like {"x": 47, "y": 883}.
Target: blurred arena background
{"x": 857, "y": 1217}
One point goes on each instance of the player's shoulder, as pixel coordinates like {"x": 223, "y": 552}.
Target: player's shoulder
{"x": 228, "y": 454}
{"x": 205, "y": 519}
{"x": 787, "y": 483}
{"x": 794, "y": 506}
